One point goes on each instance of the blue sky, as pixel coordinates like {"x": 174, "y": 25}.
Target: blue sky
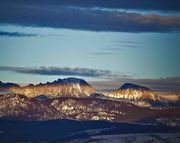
{"x": 41, "y": 42}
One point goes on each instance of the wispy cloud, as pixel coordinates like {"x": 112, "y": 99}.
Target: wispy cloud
{"x": 102, "y": 53}
{"x": 125, "y": 42}
{"x": 16, "y": 34}
{"x": 116, "y": 46}
{"x": 129, "y": 46}
{"x": 125, "y": 46}
{"x": 59, "y": 16}
{"x": 66, "y": 71}
{"x": 111, "y": 49}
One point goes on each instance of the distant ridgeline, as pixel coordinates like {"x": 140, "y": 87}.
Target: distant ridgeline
{"x": 7, "y": 85}
{"x": 61, "y": 87}
{"x": 74, "y": 87}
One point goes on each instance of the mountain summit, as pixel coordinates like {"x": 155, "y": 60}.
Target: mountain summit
{"x": 133, "y": 92}
{"x": 133, "y": 86}
{"x": 62, "y": 87}
{"x": 70, "y": 80}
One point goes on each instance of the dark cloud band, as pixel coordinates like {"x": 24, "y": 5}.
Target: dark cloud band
{"x": 86, "y": 19}
{"x": 66, "y": 71}
{"x": 16, "y": 34}
{"x": 173, "y": 5}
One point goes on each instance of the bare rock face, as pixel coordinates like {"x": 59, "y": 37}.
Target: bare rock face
{"x": 133, "y": 92}
{"x": 62, "y": 87}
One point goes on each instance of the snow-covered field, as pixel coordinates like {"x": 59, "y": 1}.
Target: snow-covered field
{"x": 132, "y": 138}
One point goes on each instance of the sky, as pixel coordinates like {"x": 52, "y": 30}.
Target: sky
{"x": 102, "y": 41}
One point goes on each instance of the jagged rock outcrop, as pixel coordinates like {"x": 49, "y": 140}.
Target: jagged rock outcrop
{"x": 133, "y": 92}
{"x": 61, "y": 87}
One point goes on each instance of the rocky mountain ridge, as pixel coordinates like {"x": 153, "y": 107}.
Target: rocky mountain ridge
{"x": 61, "y": 87}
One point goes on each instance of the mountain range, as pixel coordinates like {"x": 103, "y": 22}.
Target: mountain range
{"x": 77, "y": 88}
{"x": 74, "y": 87}
{"x": 75, "y": 99}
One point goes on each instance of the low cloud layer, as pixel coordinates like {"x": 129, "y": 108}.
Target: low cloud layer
{"x": 65, "y": 71}
{"x": 16, "y": 34}
{"x": 86, "y": 19}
